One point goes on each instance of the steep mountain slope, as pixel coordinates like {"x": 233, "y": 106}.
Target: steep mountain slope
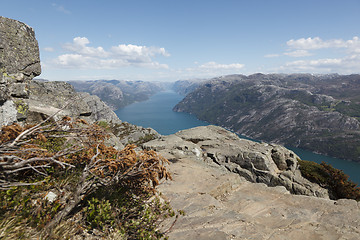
{"x": 183, "y": 87}
{"x": 118, "y": 93}
{"x": 319, "y": 113}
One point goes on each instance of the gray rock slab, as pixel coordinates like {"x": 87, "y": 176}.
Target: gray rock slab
{"x": 271, "y": 164}
{"x": 222, "y": 205}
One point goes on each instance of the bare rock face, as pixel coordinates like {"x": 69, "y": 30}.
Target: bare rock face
{"x": 19, "y": 63}
{"x": 271, "y": 164}
{"x": 19, "y": 57}
{"x": 46, "y": 98}
{"x": 222, "y": 205}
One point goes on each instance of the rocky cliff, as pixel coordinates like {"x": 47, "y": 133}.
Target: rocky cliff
{"x": 19, "y": 63}
{"x": 271, "y": 164}
{"x": 183, "y": 87}
{"x": 222, "y": 205}
{"x": 319, "y": 113}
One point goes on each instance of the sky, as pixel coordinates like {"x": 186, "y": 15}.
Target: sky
{"x": 169, "y": 40}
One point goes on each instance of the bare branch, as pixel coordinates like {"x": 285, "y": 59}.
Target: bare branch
{"x": 7, "y": 185}
{"x": 39, "y": 125}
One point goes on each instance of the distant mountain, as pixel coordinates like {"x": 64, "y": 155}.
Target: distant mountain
{"x": 119, "y": 93}
{"x": 316, "y": 112}
{"x": 183, "y": 87}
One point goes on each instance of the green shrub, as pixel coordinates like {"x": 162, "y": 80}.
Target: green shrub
{"x": 99, "y": 214}
{"x": 335, "y": 180}
{"x": 103, "y": 124}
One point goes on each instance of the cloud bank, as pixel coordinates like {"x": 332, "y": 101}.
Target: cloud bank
{"x": 343, "y": 55}
{"x": 82, "y": 56}
{"x": 209, "y": 69}
{"x": 217, "y": 66}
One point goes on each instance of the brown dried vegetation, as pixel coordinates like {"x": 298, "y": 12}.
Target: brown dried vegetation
{"x": 70, "y": 158}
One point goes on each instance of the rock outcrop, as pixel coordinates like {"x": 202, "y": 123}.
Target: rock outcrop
{"x": 222, "y": 205}
{"x": 318, "y": 113}
{"x": 60, "y": 99}
{"x": 19, "y": 63}
{"x": 47, "y": 98}
{"x": 271, "y": 164}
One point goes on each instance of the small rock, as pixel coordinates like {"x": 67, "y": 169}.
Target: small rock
{"x": 51, "y": 196}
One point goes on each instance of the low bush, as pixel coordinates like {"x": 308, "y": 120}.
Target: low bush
{"x": 335, "y": 180}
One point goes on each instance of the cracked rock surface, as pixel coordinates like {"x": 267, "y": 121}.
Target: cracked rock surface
{"x": 271, "y": 164}
{"x": 19, "y": 63}
{"x": 222, "y": 205}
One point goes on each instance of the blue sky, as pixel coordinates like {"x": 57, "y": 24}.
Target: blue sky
{"x": 168, "y": 40}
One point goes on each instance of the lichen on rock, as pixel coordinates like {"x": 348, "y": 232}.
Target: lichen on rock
{"x": 19, "y": 64}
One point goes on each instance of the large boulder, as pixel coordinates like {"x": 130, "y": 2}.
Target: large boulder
{"x": 271, "y": 164}
{"x": 24, "y": 100}
{"x": 50, "y": 97}
{"x": 19, "y": 63}
{"x": 19, "y": 50}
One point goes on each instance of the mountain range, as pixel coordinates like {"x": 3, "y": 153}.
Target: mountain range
{"x": 119, "y": 93}
{"x": 320, "y": 113}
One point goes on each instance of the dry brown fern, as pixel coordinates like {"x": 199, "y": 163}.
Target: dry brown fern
{"x": 30, "y": 151}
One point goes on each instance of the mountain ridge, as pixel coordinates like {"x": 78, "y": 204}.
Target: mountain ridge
{"x": 300, "y": 110}
{"x": 119, "y": 93}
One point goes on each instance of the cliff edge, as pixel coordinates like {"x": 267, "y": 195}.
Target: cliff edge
{"x": 219, "y": 204}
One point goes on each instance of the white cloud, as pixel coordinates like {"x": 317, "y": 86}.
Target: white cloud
{"x": 60, "y": 8}
{"x": 308, "y": 43}
{"x": 298, "y": 53}
{"x": 301, "y": 47}
{"x": 79, "y": 46}
{"x": 81, "y": 55}
{"x": 345, "y": 65}
{"x": 346, "y": 59}
{"x": 131, "y": 50}
{"x": 217, "y": 66}
{"x": 272, "y": 55}
{"x": 49, "y": 49}
{"x": 75, "y": 61}
{"x": 209, "y": 69}
{"x": 352, "y": 45}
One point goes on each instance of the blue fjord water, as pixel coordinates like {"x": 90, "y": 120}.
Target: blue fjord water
{"x": 157, "y": 113}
